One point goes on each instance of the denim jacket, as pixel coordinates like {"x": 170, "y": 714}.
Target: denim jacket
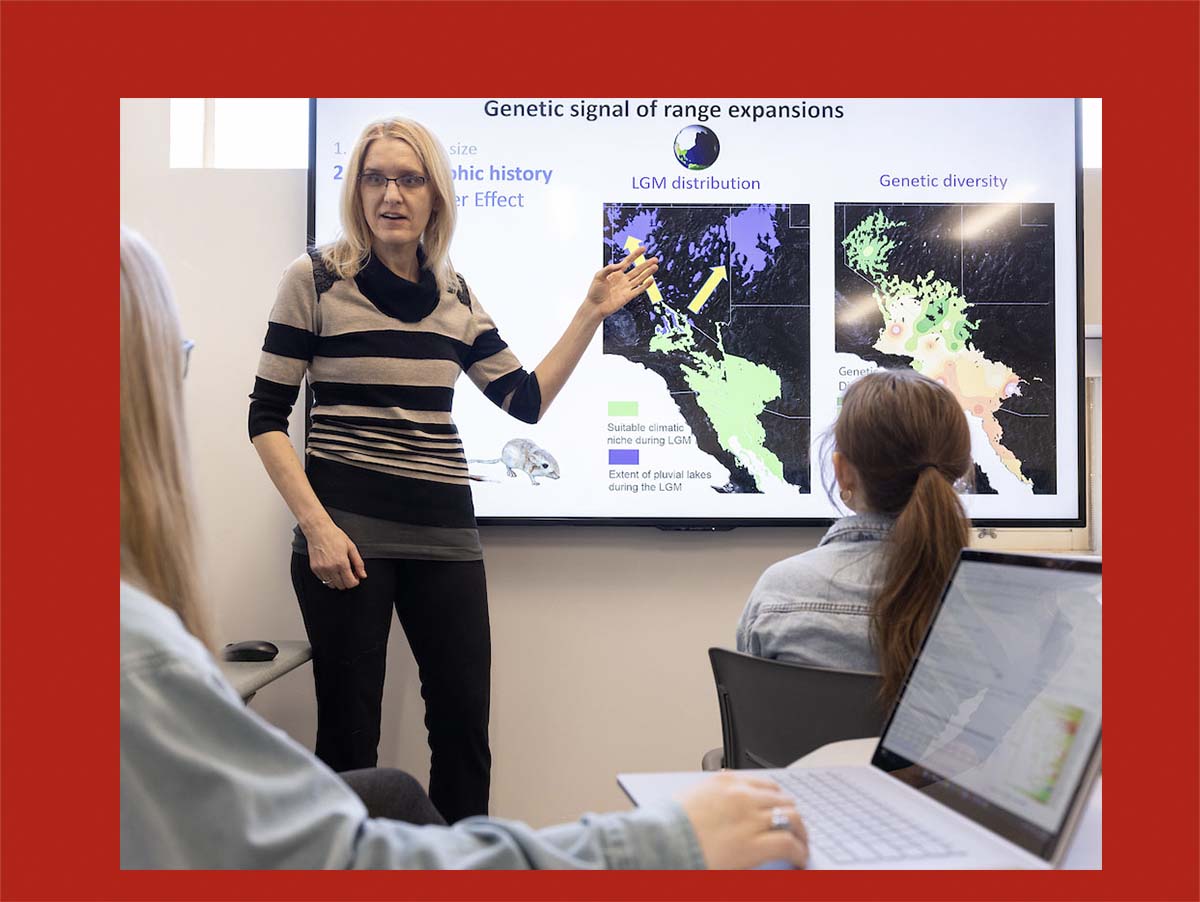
{"x": 206, "y": 783}
{"x": 814, "y": 608}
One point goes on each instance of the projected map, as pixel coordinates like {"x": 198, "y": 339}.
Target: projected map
{"x": 963, "y": 293}
{"x": 726, "y": 327}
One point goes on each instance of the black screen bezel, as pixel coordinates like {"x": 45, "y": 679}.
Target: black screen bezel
{"x": 725, "y": 523}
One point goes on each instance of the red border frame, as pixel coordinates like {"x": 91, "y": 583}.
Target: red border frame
{"x": 66, "y": 64}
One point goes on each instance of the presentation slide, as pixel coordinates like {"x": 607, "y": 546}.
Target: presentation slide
{"x": 802, "y": 244}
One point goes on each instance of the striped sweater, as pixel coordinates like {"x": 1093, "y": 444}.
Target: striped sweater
{"x": 382, "y": 355}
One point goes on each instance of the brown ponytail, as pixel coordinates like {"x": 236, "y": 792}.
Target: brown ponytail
{"x": 907, "y": 437}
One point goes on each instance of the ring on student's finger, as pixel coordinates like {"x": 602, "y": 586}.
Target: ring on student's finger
{"x": 780, "y": 819}
{"x": 326, "y": 582}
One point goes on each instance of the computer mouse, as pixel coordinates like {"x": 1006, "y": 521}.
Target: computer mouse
{"x": 251, "y": 650}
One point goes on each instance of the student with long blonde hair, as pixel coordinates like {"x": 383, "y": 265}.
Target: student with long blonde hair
{"x": 158, "y": 534}
{"x": 863, "y": 598}
{"x": 206, "y": 783}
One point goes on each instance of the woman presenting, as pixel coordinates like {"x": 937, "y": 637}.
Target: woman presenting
{"x": 382, "y": 326}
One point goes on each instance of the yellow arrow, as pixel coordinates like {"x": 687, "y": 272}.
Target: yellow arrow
{"x": 715, "y": 278}
{"x": 655, "y": 294}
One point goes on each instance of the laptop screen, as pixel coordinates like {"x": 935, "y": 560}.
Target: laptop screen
{"x": 1000, "y": 714}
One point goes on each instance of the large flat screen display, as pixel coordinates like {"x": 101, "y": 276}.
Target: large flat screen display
{"x": 803, "y": 243}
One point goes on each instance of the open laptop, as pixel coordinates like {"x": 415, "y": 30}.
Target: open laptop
{"x": 993, "y": 745}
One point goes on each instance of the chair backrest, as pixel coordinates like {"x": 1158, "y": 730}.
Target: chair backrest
{"x": 773, "y": 712}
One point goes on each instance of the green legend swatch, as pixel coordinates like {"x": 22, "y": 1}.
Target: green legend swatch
{"x": 622, "y": 408}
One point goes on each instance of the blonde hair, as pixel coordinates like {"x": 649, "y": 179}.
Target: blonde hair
{"x": 158, "y": 532}
{"x": 348, "y": 254}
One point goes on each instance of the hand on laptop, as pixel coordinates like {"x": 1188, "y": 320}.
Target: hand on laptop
{"x": 732, "y": 815}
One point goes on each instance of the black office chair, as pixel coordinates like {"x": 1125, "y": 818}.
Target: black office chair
{"x": 773, "y": 712}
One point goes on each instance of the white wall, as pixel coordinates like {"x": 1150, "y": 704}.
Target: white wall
{"x": 599, "y": 634}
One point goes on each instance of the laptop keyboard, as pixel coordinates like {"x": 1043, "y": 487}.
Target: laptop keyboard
{"x": 848, "y": 826}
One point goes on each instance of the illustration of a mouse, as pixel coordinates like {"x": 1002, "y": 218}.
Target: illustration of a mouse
{"x": 522, "y": 454}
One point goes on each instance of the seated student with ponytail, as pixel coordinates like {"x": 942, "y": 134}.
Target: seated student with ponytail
{"x": 863, "y": 598}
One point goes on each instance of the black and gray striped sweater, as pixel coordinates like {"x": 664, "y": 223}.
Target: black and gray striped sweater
{"x": 382, "y": 355}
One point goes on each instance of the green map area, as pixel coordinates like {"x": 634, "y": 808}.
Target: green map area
{"x": 925, "y": 320}
{"x": 734, "y": 392}
{"x": 943, "y": 310}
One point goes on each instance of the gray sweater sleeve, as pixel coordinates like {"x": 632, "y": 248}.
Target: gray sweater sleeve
{"x": 206, "y": 783}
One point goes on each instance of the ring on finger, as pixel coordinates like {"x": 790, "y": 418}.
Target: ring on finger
{"x": 780, "y": 819}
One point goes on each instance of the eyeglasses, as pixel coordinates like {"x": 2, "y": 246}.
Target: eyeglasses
{"x": 375, "y": 181}
{"x": 188, "y": 344}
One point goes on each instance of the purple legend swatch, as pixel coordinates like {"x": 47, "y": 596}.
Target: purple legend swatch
{"x": 623, "y": 456}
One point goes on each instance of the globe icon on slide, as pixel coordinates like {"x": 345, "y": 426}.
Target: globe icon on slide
{"x": 697, "y": 147}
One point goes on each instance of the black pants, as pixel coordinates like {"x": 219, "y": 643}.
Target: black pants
{"x": 442, "y": 606}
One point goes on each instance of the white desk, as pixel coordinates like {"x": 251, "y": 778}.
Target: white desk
{"x": 247, "y": 677}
